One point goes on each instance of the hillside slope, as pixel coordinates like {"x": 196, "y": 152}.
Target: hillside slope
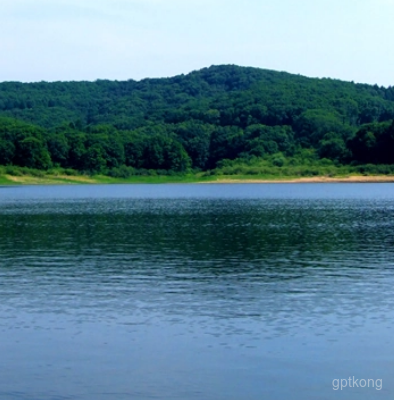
{"x": 194, "y": 120}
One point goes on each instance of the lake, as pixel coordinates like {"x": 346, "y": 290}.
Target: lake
{"x": 186, "y": 292}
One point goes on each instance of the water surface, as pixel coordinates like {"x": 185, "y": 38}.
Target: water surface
{"x": 196, "y": 291}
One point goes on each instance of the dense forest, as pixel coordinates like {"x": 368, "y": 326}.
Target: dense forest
{"x": 205, "y": 120}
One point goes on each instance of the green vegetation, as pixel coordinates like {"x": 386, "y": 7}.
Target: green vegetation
{"x": 219, "y": 121}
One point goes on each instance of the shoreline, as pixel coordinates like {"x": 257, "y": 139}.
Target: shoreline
{"x": 9, "y": 180}
{"x": 315, "y": 179}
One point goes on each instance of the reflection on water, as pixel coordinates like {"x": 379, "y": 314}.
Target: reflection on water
{"x": 195, "y": 292}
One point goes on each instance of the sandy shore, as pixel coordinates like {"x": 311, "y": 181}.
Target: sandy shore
{"x": 65, "y": 179}
{"x": 316, "y": 179}
{"x": 48, "y": 180}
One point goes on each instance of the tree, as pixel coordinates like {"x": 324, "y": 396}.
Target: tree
{"x": 312, "y": 125}
{"x": 163, "y": 152}
{"x": 134, "y": 153}
{"x": 58, "y": 148}
{"x": 195, "y": 138}
{"x": 226, "y": 143}
{"x": 7, "y": 152}
{"x": 262, "y": 139}
{"x": 332, "y": 147}
{"x": 31, "y": 152}
{"x": 373, "y": 143}
{"x": 93, "y": 159}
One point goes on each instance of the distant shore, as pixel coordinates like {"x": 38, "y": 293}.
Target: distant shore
{"x": 314, "y": 179}
{"x": 6, "y": 180}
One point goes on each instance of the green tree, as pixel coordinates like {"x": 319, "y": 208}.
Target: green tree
{"x": 58, "y": 148}
{"x": 226, "y": 143}
{"x": 77, "y": 151}
{"x": 312, "y": 125}
{"x": 195, "y": 138}
{"x": 165, "y": 153}
{"x": 332, "y": 147}
{"x": 7, "y": 152}
{"x": 94, "y": 160}
{"x": 32, "y": 153}
{"x": 134, "y": 153}
{"x": 374, "y": 143}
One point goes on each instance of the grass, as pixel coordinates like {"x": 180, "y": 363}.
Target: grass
{"x": 232, "y": 172}
{"x": 298, "y": 179}
{"x": 5, "y": 181}
{"x": 197, "y": 178}
{"x": 58, "y": 179}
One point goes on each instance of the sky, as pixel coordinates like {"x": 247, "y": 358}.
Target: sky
{"x": 51, "y": 40}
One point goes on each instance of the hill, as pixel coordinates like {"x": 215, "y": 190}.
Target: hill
{"x": 198, "y": 120}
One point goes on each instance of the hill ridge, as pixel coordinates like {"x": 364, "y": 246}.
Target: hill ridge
{"x": 206, "y": 116}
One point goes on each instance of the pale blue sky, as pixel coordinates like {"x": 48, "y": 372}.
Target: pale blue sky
{"x": 133, "y": 39}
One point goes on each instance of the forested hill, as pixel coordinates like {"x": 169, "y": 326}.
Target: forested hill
{"x": 193, "y": 121}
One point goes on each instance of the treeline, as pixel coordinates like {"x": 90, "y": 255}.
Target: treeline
{"x": 194, "y": 121}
